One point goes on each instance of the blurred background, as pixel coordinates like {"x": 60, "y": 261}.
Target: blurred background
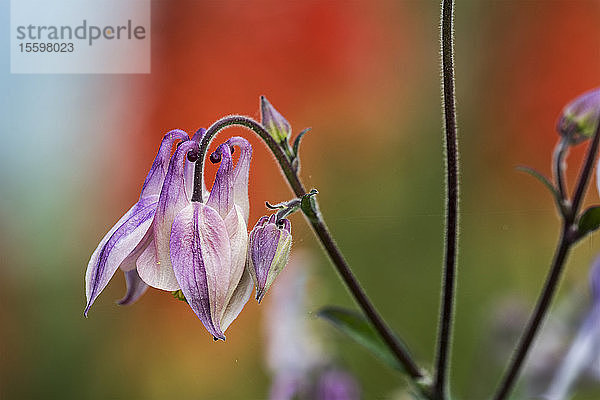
{"x": 365, "y": 77}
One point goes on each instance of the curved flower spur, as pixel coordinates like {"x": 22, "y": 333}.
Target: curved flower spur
{"x": 121, "y": 246}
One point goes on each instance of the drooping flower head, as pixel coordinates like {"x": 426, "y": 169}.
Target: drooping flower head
{"x": 121, "y": 245}
{"x": 580, "y": 117}
{"x": 170, "y": 242}
{"x": 268, "y": 251}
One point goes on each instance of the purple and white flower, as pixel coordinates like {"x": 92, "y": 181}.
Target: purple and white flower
{"x": 170, "y": 242}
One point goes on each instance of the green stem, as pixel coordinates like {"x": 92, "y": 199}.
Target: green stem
{"x": 315, "y": 220}
{"x": 568, "y": 237}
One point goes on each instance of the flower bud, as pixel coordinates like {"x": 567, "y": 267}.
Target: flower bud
{"x": 580, "y": 117}
{"x": 274, "y": 123}
{"x": 268, "y": 251}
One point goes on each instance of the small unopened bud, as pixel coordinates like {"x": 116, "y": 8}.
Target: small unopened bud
{"x": 274, "y": 123}
{"x": 580, "y": 117}
{"x": 268, "y": 251}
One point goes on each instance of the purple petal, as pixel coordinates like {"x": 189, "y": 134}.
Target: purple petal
{"x": 241, "y": 174}
{"x": 263, "y": 246}
{"x": 154, "y": 265}
{"x": 238, "y": 300}
{"x": 156, "y": 175}
{"x": 135, "y": 287}
{"x": 199, "y": 250}
{"x": 239, "y": 281}
{"x": 114, "y": 248}
{"x": 221, "y": 194}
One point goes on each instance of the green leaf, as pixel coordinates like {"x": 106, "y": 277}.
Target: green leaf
{"x": 358, "y": 328}
{"x": 296, "y": 145}
{"x": 545, "y": 181}
{"x": 589, "y": 221}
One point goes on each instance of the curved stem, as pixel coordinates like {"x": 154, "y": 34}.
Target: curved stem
{"x": 569, "y": 236}
{"x": 449, "y": 275}
{"x": 558, "y": 165}
{"x": 318, "y": 225}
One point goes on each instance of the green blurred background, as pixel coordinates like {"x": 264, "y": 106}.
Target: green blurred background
{"x": 365, "y": 77}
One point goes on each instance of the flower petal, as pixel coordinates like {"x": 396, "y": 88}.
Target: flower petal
{"x": 199, "y": 249}
{"x": 156, "y": 175}
{"x": 241, "y": 174}
{"x": 238, "y": 240}
{"x": 154, "y": 265}
{"x": 114, "y": 248}
{"x": 221, "y": 194}
{"x": 263, "y": 246}
{"x": 238, "y": 300}
{"x": 135, "y": 287}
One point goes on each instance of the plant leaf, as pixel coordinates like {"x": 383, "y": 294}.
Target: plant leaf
{"x": 358, "y": 328}
{"x": 545, "y": 181}
{"x": 589, "y": 221}
{"x": 296, "y": 145}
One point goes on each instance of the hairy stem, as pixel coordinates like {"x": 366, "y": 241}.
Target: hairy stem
{"x": 318, "y": 225}
{"x": 558, "y": 165}
{"x": 568, "y": 237}
{"x": 449, "y": 274}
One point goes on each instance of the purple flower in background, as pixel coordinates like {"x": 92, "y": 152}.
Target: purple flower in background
{"x": 300, "y": 362}
{"x": 584, "y": 353}
{"x": 203, "y": 246}
{"x": 273, "y": 121}
{"x": 121, "y": 246}
{"x": 580, "y": 117}
{"x": 268, "y": 251}
{"x": 335, "y": 384}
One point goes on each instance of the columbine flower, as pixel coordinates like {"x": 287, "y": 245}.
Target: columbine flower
{"x": 584, "y": 354}
{"x": 268, "y": 251}
{"x": 121, "y": 245}
{"x": 201, "y": 247}
{"x": 580, "y": 117}
{"x": 274, "y": 123}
